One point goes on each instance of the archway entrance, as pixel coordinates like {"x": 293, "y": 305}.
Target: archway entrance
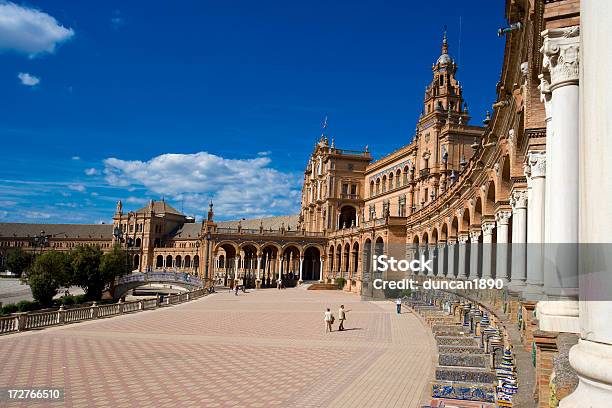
{"x": 311, "y": 269}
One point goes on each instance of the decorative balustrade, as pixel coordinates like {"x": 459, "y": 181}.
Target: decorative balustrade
{"x": 18, "y": 322}
{"x": 9, "y": 324}
{"x": 252, "y": 231}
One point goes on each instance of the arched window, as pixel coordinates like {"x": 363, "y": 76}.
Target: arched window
{"x": 391, "y": 181}
{"x": 138, "y": 242}
{"x": 177, "y": 261}
{"x": 371, "y": 188}
{"x": 398, "y": 177}
{"x": 377, "y": 186}
{"x": 136, "y": 261}
{"x": 384, "y": 184}
{"x": 159, "y": 262}
{"x": 169, "y": 261}
{"x": 187, "y": 261}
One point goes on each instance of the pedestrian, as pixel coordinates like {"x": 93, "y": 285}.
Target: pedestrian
{"x": 398, "y": 304}
{"x": 329, "y": 320}
{"x": 236, "y": 289}
{"x": 278, "y": 283}
{"x": 342, "y": 317}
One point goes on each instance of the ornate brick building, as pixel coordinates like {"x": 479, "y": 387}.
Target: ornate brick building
{"x": 478, "y": 200}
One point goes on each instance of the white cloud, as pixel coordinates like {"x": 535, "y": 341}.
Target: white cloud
{"x": 28, "y": 79}
{"x": 7, "y": 203}
{"x": 94, "y": 194}
{"x": 77, "y": 187}
{"x": 30, "y": 31}
{"x": 76, "y": 158}
{"x": 264, "y": 153}
{"x": 36, "y": 215}
{"x": 92, "y": 172}
{"x": 3, "y": 214}
{"x": 238, "y": 187}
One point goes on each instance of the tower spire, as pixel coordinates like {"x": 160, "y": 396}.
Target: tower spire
{"x": 444, "y": 42}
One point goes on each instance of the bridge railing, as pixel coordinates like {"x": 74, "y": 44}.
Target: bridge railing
{"x": 160, "y": 276}
{"x": 18, "y": 322}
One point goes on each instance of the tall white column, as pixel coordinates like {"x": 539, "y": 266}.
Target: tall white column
{"x": 321, "y": 270}
{"x": 502, "y": 219}
{"x": 519, "y": 238}
{"x": 280, "y": 267}
{"x": 430, "y": 255}
{"x": 301, "y": 263}
{"x": 592, "y": 356}
{"x": 561, "y": 61}
{"x": 535, "y": 170}
{"x": 462, "y": 243}
{"x": 474, "y": 249}
{"x": 236, "y": 264}
{"x": 451, "y": 259}
{"x": 487, "y": 248}
{"x": 441, "y": 257}
{"x": 258, "y": 266}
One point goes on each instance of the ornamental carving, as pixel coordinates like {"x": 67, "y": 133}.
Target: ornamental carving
{"x": 503, "y": 217}
{"x": 561, "y": 50}
{"x": 474, "y": 236}
{"x": 518, "y": 199}
{"x": 537, "y": 164}
{"x": 487, "y": 228}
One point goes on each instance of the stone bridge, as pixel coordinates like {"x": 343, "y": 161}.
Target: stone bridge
{"x": 134, "y": 280}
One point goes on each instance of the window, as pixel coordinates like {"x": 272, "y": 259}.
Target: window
{"x": 345, "y": 189}
{"x": 353, "y": 189}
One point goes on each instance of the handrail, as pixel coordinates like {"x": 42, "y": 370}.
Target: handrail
{"x": 18, "y": 322}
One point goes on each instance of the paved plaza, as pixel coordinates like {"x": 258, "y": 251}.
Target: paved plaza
{"x": 265, "y": 348}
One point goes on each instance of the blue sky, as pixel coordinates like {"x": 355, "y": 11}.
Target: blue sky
{"x": 192, "y": 100}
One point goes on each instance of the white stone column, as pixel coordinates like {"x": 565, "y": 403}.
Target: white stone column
{"x": 487, "y": 248}
{"x": 462, "y": 243}
{"x": 592, "y": 356}
{"x": 519, "y": 239}
{"x": 451, "y": 259}
{"x": 561, "y": 61}
{"x": 236, "y": 264}
{"x": 321, "y": 270}
{"x": 474, "y": 249}
{"x": 535, "y": 170}
{"x": 502, "y": 219}
{"x": 301, "y": 263}
{"x": 441, "y": 257}
{"x": 280, "y": 267}
{"x": 258, "y": 266}
{"x": 430, "y": 255}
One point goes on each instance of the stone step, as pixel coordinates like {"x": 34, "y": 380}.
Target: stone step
{"x": 466, "y": 375}
{"x": 457, "y": 341}
{"x": 463, "y": 360}
{"x": 463, "y": 391}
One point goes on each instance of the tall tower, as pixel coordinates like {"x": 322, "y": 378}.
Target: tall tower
{"x": 443, "y": 138}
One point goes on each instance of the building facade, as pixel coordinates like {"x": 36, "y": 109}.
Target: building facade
{"x": 505, "y": 200}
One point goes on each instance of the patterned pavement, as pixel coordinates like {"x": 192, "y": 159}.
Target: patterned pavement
{"x": 265, "y": 348}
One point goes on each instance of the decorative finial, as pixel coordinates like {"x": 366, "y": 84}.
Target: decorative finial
{"x": 444, "y": 42}
{"x": 210, "y": 211}
{"x": 487, "y": 118}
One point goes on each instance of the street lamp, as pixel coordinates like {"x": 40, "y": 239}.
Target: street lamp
{"x": 41, "y": 241}
{"x": 195, "y": 266}
{"x": 208, "y": 237}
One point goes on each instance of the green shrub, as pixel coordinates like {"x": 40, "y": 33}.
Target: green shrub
{"x": 10, "y": 308}
{"x": 67, "y": 300}
{"x": 78, "y": 299}
{"x": 392, "y": 293}
{"x": 340, "y": 282}
{"x": 27, "y": 306}
{"x": 405, "y": 293}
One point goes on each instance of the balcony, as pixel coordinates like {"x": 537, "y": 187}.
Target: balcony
{"x": 346, "y": 196}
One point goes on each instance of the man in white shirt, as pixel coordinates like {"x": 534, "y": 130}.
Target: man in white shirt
{"x": 329, "y": 320}
{"x": 398, "y": 304}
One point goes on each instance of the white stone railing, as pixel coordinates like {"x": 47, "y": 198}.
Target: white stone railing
{"x": 18, "y": 322}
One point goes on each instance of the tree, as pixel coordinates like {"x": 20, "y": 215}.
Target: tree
{"x": 49, "y": 271}
{"x": 85, "y": 262}
{"x": 114, "y": 263}
{"x": 18, "y": 261}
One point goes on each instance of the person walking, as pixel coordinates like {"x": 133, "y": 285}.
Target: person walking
{"x": 398, "y": 304}
{"x": 329, "y": 320}
{"x": 341, "y": 317}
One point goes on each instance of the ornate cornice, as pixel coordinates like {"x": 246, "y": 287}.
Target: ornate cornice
{"x": 561, "y": 50}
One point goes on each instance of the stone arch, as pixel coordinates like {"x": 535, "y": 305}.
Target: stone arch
{"x": 137, "y": 242}
{"x": 178, "y": 261}
{"x": 346, "y": 260}
{"x": 443, "y": 232}
{"x": 489, "y": 198}
{"x": 391, "y": 186}
{"x": 331, "y": 255}
{"x": 378, "y": 185}
{"x": 425, "y": 238}
{"x": 339, "y": 258}
{"x": 159, "y": 261}
{"x": 505, "y": 183}
{"x": 227, "y": 244}
{"x": 398, "y": 178}
{"x": 434, "y": 235}
{"x": 291, "y": 264}
{"x": 136, "y": 262}
{"x": 384, "y": 183}
{"x": 454, "y": 228}
{"x": 355, "y": 256}
{"x": 372, "y": 188}
{"x": 477, "y": 212}
{"x": 270, "y": 253}
{"x": 168, "y": 261}
{"x": 311, "y": 268}
{"x": 348, "y": 216}
{"x": 188, "y": 262}
{"x": 465, "y": 221}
